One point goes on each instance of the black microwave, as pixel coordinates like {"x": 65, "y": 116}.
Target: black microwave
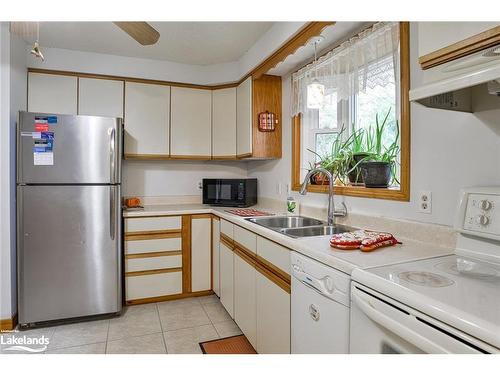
{"x": 237, "y": 192}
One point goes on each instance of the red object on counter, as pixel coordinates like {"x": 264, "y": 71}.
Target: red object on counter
{"x": 364, "y": 240}
{"x": 248, "y": 212}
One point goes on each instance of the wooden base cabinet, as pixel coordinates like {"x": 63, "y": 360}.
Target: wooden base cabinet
{"x": 273, "y": 316}
{"x": 244, "y": 296}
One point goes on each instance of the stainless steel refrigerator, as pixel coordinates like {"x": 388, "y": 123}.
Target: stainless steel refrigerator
{"x": 68, "y": 216}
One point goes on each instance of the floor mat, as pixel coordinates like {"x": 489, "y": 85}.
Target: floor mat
{"x": 230, "y": 345}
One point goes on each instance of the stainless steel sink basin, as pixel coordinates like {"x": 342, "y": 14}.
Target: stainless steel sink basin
{"x": 282, "y": 222}
{"x": 319, "y": 230}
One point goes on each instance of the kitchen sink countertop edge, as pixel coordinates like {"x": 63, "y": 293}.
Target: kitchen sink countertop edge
{"x": 317, "y": 248}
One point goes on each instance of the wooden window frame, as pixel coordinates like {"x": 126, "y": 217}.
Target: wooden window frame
{"x": 401, "y": 194}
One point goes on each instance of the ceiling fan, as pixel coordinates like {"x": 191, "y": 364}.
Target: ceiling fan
{"x": 142, "y": 32}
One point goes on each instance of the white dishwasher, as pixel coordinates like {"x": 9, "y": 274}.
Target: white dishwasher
{"x": 320, "y": 308}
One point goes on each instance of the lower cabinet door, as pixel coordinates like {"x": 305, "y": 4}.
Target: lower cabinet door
{"x": 273, "y": 317}
{"x": 244, "y": 298}
{"x": 153, "y": 285}
{"x": 201, "y": 267}
{"x": 227, "y": 278}
{"x": 215, "y": 256}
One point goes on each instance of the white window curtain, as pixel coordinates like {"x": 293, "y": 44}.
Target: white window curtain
{"x": 356, "y": 64}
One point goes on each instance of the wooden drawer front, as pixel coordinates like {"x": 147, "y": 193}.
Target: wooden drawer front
{"x": 152, "y": 263}
{"x": 245, "y": 238}
{"x": 155, "y": 285}
{"x": 153, "y": 246}
{"x": 226, "y": 228}
{"x": 152, "y": 224}
{"x": 275, "y": 254}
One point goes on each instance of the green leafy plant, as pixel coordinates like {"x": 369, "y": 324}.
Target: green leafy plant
{"x": 362, "y": 145}
{"x": 376, "y": 148}
{"x": 338, "y": 160}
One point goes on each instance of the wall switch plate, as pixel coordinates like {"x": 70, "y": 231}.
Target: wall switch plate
{"x": 425, "y": 202}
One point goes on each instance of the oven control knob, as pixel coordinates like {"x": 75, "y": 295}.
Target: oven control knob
{"x": 482, "y": 220}
{"x": 485, "y": 205}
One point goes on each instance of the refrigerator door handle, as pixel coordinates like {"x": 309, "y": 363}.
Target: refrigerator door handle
{"x": 112, "y": 156}
{"x": 112, "y": 220}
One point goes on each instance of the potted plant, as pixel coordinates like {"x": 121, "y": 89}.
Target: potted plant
{"x": 379, "y": 168}
{"x": 338, "y": 161}
{"x": 359, "y": 152}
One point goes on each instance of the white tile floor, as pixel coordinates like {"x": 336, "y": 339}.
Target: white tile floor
{"x": 174, "y": 327}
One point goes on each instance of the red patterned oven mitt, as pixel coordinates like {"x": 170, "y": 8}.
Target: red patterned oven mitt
{"x": 364, "y": 240}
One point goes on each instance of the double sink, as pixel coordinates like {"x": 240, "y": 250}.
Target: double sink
{"x": 299, "y": 226}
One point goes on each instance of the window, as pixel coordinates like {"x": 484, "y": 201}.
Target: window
{"x": 355, "y": 94}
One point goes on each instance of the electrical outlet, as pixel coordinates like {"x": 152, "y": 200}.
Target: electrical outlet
{"x": 425, "y": 202}
{"x": 200, "y": 185}
{"x": 279, "y": 188}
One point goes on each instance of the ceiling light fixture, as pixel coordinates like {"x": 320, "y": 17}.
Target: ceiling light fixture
{"x": 315, "y": 90}
{"x": 35, "y": 50}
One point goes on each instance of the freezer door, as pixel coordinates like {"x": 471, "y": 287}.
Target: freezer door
{"x": 69, "y": 252}
{"x": 85, "y": 149}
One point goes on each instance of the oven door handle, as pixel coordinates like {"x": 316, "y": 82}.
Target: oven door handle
{"x": 397, "y": 328}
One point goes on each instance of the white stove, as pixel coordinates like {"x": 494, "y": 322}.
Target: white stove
{"x": 448, "y": 304}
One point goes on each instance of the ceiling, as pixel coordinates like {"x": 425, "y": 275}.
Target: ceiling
{"x": 196, "y": 43}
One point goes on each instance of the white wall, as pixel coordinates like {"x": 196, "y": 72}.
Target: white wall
{"x": 449, "y": 150}
{"x": 12, "y": 99}
{"x": 156, "y": 178}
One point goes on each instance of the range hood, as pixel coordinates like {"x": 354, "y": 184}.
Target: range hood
{"x": 462, "y": 84}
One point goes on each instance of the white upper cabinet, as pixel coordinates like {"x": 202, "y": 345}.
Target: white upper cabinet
{"x": 52, "y": 93}
{"x": 147, "y": 110}
{"x": 100, "y": 97}
{"x": 436, "y": 35}
{"x": 191, "y": 127}
{"x": 244, "y": 118}
{"x": 224, "y": 123}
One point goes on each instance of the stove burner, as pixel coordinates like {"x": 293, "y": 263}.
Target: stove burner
{"x": 429, "y": 279}
{"x": 464, "y": 267}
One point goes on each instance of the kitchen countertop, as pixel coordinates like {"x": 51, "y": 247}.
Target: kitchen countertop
{"x": 317, "y": 248}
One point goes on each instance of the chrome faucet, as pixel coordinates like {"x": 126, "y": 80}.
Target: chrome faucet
{"x": 332, "y": 213}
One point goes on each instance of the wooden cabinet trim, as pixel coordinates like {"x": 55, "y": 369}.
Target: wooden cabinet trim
{"x": 153, "y": 255}
{"x": 168, "y": 298}
{"x": 468, "y": 46}
{"x": 244, "y": 250}
{"x": 8, "y": 324}
{"x": 153, "y": 272}
{"x": 274, "y": 269}
{"x": 147, "y": 157}
{"x": 245, "y": 257}
{"x": 226, "y": 240}
{"x": 152, "y": 236}
{"x": 201, "y": 216}
{"x": 273, "y": 278}
{"x": 152, "y": 232}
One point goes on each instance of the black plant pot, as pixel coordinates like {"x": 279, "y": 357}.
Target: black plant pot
{"x": 356, "y": 177}
{"x": 376, "y": 174}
